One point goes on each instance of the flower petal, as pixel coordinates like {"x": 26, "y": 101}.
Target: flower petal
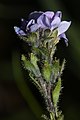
{"x": 46, "y": 21}
{"x": 35, "y": 15}
{"x": 34, "y": 27}
{"x": 64, "y": 25}
{"x": 49, "y": 14}
{"x": 64, "y": 37}
{"x": 41, "y": 21}
{"x": 58, "y": 14}
{"x": 19, "y": 31}
{"x": 31, "y": 22}
{"x": 55, "y": 22}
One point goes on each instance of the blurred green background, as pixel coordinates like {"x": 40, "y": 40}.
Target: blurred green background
{"x": 19, "y": 98}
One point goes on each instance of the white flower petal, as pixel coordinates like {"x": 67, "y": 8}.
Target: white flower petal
{"x": 49, "y": 14}
{"x": 55, "y": 22}
{"x": 34, "y": 27}
{"x": 32, "y": 21}
{"x": 19, "y": 31}
{"x": 41, "y": 21}
{"x": 58, "y": 14}
{"x": 64, "y": 25}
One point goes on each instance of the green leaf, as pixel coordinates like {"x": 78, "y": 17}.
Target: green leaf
{"x": 54, "y": 34}
{"x": 34, "y": 61}
{"x": 45, "y": 117}
{"x": 32, "y": 37}
{"x": 56, "y": 92}
{"x": 52, "y": 116}
{"x": 52, "y": 39}
{"x": 27, "y": 63}
{"x": 29, "y": 66}
{"x": 44, "y": 52}
{"x": 46, "y": 71}
{"x": 61, "y": 117}
{"x": 55, "y": 69}
{"x": 47, "y": 33}
{"x": 35, "y": 50}
{"x": 62, "y": 66}
{"x": 35, "y": 81}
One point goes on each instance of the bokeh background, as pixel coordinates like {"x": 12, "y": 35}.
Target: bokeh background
{"x": 19, "y": 98}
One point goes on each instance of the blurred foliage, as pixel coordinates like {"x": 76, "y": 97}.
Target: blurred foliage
{"x": 23, "y": 87}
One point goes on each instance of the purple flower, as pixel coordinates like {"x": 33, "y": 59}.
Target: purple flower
{"x": 44, "y": 20}
{"x": 47, "y": 20}
{"x": 25, "y": 27}
{"x": 51, "y": 20}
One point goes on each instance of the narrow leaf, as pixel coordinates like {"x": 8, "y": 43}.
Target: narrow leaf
{"x": 29, "y": 66}
{"x": 34, "y": 61}
{"x": 46, "y": 71}
{"x": 55, "y": 69}
{"x": 56, "y": 92}
{"x": 35, "y": 81}
{"x": 62, "y": 66}
{"x": 27, "y": 63}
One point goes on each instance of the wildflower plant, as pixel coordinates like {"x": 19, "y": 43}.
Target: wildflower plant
{"x": 43, "y": 31}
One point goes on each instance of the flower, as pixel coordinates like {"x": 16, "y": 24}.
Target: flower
{"x": 47, "y": 20}
{"x": 51, "y": 20}
{"x": 25, "y": 27}
{"x": 44, "y": 20}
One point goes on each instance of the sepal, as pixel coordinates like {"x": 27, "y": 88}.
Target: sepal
{"x": 29, "y": 38}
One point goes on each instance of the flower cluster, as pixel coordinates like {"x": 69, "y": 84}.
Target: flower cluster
{"x": 44, "y": 20}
